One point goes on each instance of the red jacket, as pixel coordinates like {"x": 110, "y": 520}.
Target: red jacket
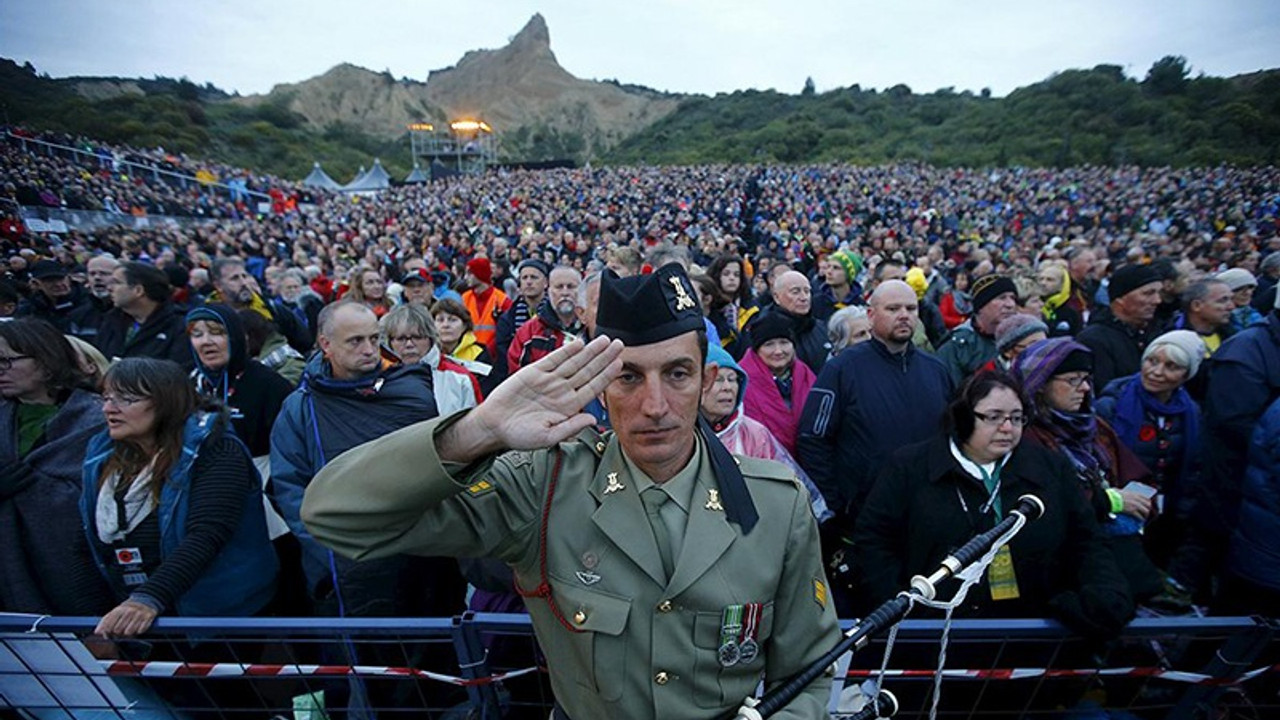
{"x": 537, "y": 337}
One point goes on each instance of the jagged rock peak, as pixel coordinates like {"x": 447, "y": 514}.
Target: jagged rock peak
{"x": 534, "y": 36}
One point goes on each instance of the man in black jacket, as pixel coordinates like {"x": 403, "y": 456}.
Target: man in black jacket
{"x": 870, "y": 400}
{"x": 53, "y": 297}
{"x": 144, "y": 322}
{"x": 87, "y": 319}
{"x": 1117, "y": 335}
{"x": 793, "y": 300}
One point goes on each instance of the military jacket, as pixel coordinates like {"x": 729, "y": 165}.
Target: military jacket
{"x": 621, "y": 640}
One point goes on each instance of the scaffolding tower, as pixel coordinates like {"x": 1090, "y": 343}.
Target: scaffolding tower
{"x": 464, "y": 147}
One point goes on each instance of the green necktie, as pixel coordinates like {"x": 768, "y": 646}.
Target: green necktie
{"x": 654, "y": 498}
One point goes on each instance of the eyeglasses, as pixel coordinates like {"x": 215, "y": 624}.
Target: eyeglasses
{"x": 1075, "y": 381}
{"x": 121, "y": 401}
{"x": 415, "y": 339}
{"x": 6, "y": 361}
{"x": 998, "y": 419}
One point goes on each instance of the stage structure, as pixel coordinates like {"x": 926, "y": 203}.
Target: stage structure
{"x": 463, "y": 147}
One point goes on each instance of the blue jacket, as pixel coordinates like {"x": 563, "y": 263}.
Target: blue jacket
{"x": 241, "y": 579}
{"x": 866, "y": 404}
{"x": 1244, "y": 378}
{"x": 1255, "y": 554}
{"x": 323, "y": 418}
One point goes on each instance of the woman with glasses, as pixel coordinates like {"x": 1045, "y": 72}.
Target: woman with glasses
{"x": 172, "y": 509}
{"x": 410, "y": 333}
{"x": 172, "y": 504}
{"x": 935, "y": 495}
{"x": 1057, "y": 375}
{"x": 48, "y": 412}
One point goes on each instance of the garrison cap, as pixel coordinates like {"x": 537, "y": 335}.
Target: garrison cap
{"x": 645, "y": 309}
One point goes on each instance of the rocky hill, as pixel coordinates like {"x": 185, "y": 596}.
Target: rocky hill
{"x": 539, "y": 108}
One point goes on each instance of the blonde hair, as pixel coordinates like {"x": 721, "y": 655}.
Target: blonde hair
{"x": 92, "y": 361}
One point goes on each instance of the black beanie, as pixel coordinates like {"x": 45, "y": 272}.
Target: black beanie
{"x": 770, "y": 326}
{"x": 988, "y": 288}
{"x": 1128, "y": 278}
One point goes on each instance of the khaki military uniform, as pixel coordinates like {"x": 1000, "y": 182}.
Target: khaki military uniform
{"x": 621, "y": 639}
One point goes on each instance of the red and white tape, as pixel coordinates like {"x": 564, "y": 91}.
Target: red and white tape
{"x": 163, "y": 669}
{"x": 1025, "y": 673}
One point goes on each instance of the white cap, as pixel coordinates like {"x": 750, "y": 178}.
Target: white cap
{"x": 1237, "y": 278}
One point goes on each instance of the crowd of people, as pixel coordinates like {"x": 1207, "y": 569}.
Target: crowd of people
{"x": 59, "y": 171}
{"x": 916, "y": 344}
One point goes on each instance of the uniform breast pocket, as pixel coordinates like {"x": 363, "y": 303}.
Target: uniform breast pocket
{"x": 600, "y": 649}
{"x": 724, "y": 675}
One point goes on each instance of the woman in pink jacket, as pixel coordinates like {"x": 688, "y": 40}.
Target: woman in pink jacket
{"x": 778, "y": 383}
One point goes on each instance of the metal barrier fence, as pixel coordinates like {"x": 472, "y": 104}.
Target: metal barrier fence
{"x": 150, "y": 171}
{"x": 487, "y": 666}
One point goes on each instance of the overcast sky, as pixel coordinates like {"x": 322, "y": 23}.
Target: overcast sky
{"x": 695, "y": 46}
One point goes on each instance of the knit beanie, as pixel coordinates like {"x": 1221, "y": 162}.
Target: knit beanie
{"x": 1040, "y": 362}
{"x": 1185, "y": 340}
{"x": 988, "y": 288}
{"x": 534, "y": 263}
{"x": 770, "y": 326}
{"x": 917, "y": 281}
{"x": 1128, "y": 278}
{"x": 1237, "y": 278}
{"x": 850, "y": 261}
{"x": 481, "y": 268}
{"x": 1015, "y": 328}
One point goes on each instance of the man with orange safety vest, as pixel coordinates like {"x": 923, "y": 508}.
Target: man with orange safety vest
{"x": 484, "y": 301}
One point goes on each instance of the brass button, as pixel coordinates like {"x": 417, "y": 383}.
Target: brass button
{"x": 579, "y": 617}
{"x": 661, "y": 678}
{"x": 599, "y": 447}
{"x": 665, "y": 606}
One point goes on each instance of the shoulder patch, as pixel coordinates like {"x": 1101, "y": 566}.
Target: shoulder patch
{"x": 481, "y": 487}
{"x": 820, "y": 593}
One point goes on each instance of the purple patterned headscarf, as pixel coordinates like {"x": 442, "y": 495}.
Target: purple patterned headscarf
{"x": 1038, "y": 363}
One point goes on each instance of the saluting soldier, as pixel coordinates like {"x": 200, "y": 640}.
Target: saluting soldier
{"x": 665, "y": 577}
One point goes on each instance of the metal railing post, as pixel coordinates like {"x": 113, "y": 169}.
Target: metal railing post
{"x": 473, "y": 662}
{"x": 1229, "y": 662}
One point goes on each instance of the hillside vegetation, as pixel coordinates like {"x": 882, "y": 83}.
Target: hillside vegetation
{"x": 1075, "y": 117}
{"x": 181, "y": 116}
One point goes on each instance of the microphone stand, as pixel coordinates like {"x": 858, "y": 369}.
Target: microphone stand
{"x": 1029, "y": 508}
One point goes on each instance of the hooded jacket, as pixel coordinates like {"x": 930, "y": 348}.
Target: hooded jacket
{"x": 323, "y": 418}
{"x": 45, "y": 564}
{"x": 252, "y": 392}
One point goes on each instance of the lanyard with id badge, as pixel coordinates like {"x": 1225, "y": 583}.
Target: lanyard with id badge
{"x": 1001, "y": 578}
